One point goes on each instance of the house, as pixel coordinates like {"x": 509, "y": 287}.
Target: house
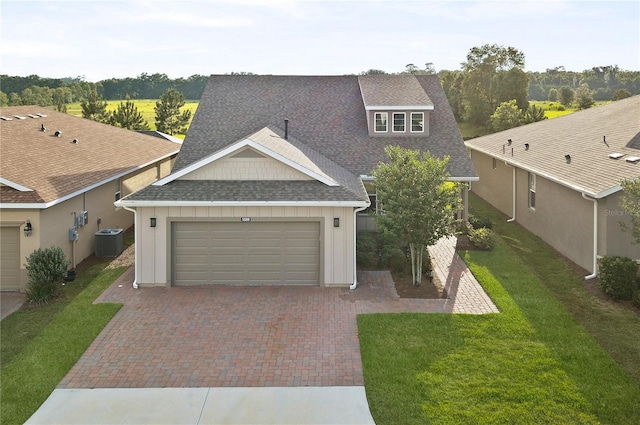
{"x": 59, "y": 178}
{"x": 560, "y": 178}
{"x": 274, "y": 172}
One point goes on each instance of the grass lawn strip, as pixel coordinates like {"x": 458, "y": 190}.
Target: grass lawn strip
{"x": 616, "y": 329}
{"x": 530, "y": 364}
{"x": 33, "y": 374}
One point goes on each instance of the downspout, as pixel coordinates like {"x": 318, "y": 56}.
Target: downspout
{"x": 354, "y": 285}
{"x": 513, "y": 195}
{"x": 135, "y": 247}
{"x": 595, "y": 236}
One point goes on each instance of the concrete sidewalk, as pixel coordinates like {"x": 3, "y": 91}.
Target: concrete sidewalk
{"x": 271, "y": 405}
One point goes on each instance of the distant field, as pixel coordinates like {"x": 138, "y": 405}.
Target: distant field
{"x": 551, "y": 108}
{"x": 145, "y": 106}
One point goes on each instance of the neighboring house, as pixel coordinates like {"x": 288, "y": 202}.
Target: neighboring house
{"x": 60, "y": 175}
{"x": 272, "y": 174}
{"x": 561, "y": 178}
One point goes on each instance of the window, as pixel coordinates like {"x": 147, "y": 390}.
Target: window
{"x": 417, "y": 122}
{"x": 532, "y": 191}
{"x": 380, "y": 122}
{"x": 399, "y": 122}
{"x": 118, "y": 188}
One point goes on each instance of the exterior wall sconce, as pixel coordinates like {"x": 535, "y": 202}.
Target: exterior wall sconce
{"x": 152, "y": 222}
{"x": 336, "y": 222}
{"x": 28, "y": 228}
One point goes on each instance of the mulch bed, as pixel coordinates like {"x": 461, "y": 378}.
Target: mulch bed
{"x": 428, "y": 289}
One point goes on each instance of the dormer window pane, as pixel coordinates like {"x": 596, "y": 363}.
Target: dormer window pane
{"x": 399, "y": 122}
{"x": 380, "y": 122}
{"x": 417, "y": 122}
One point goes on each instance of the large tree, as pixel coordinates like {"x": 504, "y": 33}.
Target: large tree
{"x": 631, "y": 204}
{"x": 584, "y": 97}
{"x": 169, "y": 119}
{"x": 506, "y": 116}
{"x": 127, "y": 116}
{"x": 492, "y": 74}
{"x": 95, "y": 108}
{"x": 418, "y": 204}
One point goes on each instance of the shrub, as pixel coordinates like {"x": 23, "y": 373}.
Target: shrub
{"x": 635, "y": 298}
{"x": 366, "y": 249}
{"x": 394, "y": 257}
{"x": 462, "y": 227}
{"x": 482, "y": 238}
{"x": 618, "y": 277}
{"x": 480, "y": 222}
{"x": 45, "y": 270}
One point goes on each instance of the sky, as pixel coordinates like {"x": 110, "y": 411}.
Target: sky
{"x": 98, "y": 40}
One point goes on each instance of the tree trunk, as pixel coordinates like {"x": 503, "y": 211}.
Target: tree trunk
{"x": 416, "y": 263}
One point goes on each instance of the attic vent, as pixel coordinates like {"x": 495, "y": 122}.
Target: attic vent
{"x": 57, "y": 133}
{"x": 33, "y": 116}
{"x": 74, "y": 141}
{"x": 633, "y": 159}
{"x": 3, "y": 118}
{"x": 20, "y": 117}
{"x": 41, "y": 115}
{"x": 616, "y": 155}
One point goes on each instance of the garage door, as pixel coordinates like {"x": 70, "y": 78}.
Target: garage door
{"x": 9, "y": 258}
{"x": 276, "y": 253}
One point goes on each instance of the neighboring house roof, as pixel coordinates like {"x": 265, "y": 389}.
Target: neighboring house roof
{"x": 39, "y": 169}
{"x": 161, "y": 135}
{"x": 589, "y": 137}
{"x": 326, "y": 113}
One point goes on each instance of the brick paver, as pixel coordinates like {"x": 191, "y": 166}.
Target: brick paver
{"x": 227, "y": 336}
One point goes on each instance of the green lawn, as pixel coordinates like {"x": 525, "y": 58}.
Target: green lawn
{"x": 40, "y": 345}
{"x": 534, "y": 363}
{"x": 145, "y": 106}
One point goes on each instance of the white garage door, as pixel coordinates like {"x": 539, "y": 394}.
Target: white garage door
{"x": 280, "y": 253}
{"x": 9, "y": 258}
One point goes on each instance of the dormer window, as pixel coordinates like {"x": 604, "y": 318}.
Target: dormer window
{"x": 417, "y": 122}
{"x": 399, "y": 122}
{"x": 381, "y": 122}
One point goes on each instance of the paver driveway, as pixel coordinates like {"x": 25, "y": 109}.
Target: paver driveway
{"x": 274, "y": 336}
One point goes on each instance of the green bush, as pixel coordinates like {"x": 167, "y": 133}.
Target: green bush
{"x": 635, "y": 298}
{"x": 46, "y": 268}
{"x": 462, "y": 227}
{"x": 478, "y": 222}
{"x": 394, "y": 257}
{"x": 366, "y": 249}
{"x": 618, "y": 277}
{"x": 482, "y": 238}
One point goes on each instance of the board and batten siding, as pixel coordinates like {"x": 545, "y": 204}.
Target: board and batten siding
{"x": 153, "y": 248}
{"x": 232, "y": 168}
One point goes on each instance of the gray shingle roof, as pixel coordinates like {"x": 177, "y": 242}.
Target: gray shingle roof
{"x": 326, "y": 113}
{"x": 581, "y": 135}
{"x": 247, "y": 191}
{"x": 393, "y": 90}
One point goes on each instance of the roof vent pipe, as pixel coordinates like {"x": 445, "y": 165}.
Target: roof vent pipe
{"x": 526, "y": 146}
{"x": 43, "y": 128}
{"x": 509, "y": 142}
{"x": 604, "y": 139}
{"x": 568, "y": 158}
{"x": 286, "y": 129}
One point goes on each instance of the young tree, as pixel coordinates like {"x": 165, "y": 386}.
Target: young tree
{"x": 566, "y": 95}
{"x": 169, "y": 119}
{"x": 553, "y": 95}
{"x": 506, "y": 116}
{"x": 620, "y": 94}
{"x": 95, "y": 108}
{"x": 631, "y": 203}
{"x": 418, "y": 204}
{"x": 584, "y": 97}
{"x": 127, "y": 116}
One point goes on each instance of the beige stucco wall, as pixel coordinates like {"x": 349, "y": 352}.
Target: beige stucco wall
{"x": 495, "y": 185}
{"x": 618, "y": 242}
{"x": 153, "y": 245}
{"x": 246, "y": 169}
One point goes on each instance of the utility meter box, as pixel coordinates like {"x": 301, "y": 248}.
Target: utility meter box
{"x": 109, "y": 243}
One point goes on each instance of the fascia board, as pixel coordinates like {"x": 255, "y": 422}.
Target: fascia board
{"x": 139, "y": 204}
{"x": 540, "y": 173}
{"x": 399, "y": 108}
{"x": 15, "y": 185}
